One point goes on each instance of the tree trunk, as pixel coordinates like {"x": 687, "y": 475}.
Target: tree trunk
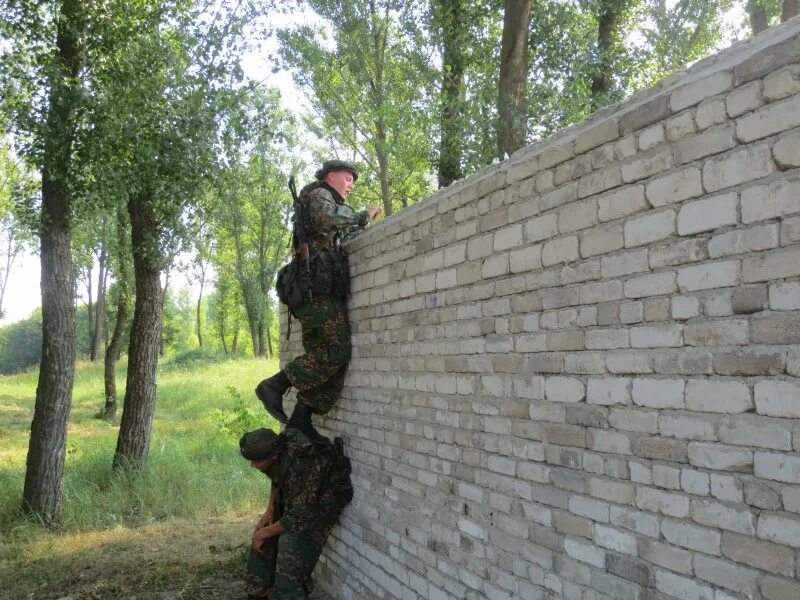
{"x": 609, "y": 18}
{"x": 512, "y": 102}
{"x": 790, "y": 9}
{"x": 44, "y": 474}
{"x": 199, "y": 309}
{"x": 112, "y": 353}
{"x": 161, "y": 349}
{"x": 262, "y": 347}
{"x": 133, "y": 442}
{"x": 100, "y": 304}
{"x": 89, "y": 306}
{"x": 453, "y": 65}
{"x": 758, "y": 16}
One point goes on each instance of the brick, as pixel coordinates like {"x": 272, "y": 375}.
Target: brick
{"x": 657, "y": 336}
{"x": 634, "y": 520}
{"x": 675, "y": 187}
{"x": 599, "y": 181}
{"x": 668, "y": 557}
{"x": 586, "y": 415}
{"x": 624, "y": 362}
{"x": 774, "y": 588}
{"x": 495, "y": 266}
{"x": 608, "y": 391}
{"x": 621, "y": 203}
{"x": 775, "y": 329}
{"x": 693, "y": 93}
{"x": 577, "y": 215}
{"x": 642, "y": 167}
{"x": 585, "y": 552}
{"x": 719, "y": 458}
{"x": 678, "y": 253}
{"x": 738, "y": 166}
{"x": 685, "y": 307}
{"x": 556, "y": 154}
{"x": 776, "y": 264}
{"x": 596, "y": 135}
{"x": 651, "y": 137}
{"x": 741, "y": 241}
{"x": 659, "y": 393}
{"x": 726, "y": 487}
{"x": 750, "y": 430}
{"x": 508, "y": 237}
{"x": 526, "y": 259}
{"x": 603, "y": 291}
{"x": 778, "y": 398}
{"x": 601, "y": 240}
{"x": 674, "y": 505}
{"x": 769, "y": 120}
{"x": 777, "y": 467}
{"x": 666, "y": 476}
{"x": 708, "y": 214}
{"x": 692, "y": 537}
{"x": 723, "y": 516}
{"x": 613, "y": 539}
{"x": 777, "y": 198}
{"x": 656, "y": 448}
{"x": 712, "y": 141}
{"x": 647, "y": 113}
{"x": 744, "y": 99}
{"x": 790, "y": 231}
{"x": 650, "y": 285}
{"x": 649, "y": 228}
{"x": 686, "y": 361}
{"x": 559, "y": 251}
{"x": 710, "y": 395}
{"x": 782, "y": 83}
{"x": 725, "y": 574}
{"x": 748, "y": 299}
{"x": 629, "y": 568}
{"x": 564, "y": 389}
{"x": 686, "y": 427}
{"x": 694, "y": 482}
{"x": 709, "y": 276}
{"x": 787, "y": 151}
{"x": 784, "y": 295}
{"x": 679, "y": 126}
{"x": 762, "y": 494}
{"x": 750, "y": 362}
{"x": 779, "y": 528}
{"x": 631, "y": 312}
{"x": 624, "y": 263}
{"x": 541, "y": 228}
{"x": 710, "y": 113}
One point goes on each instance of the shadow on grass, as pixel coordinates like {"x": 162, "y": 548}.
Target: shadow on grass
{"x": 177, "y": 559}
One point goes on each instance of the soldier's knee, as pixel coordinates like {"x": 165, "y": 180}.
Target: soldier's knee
{"x": 340, "y": 354}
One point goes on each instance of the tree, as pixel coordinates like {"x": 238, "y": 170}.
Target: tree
{"x": 613, "y": 18}
{"x": 790, "y": 9}
{"x": 758, "y": 16}
{"x": 175, "y": 67}
{"x": 449, "y": 16}
{"x": 373, "y": 91}
{"x": 43, "y": 95}
{"x": 512, "y": 98}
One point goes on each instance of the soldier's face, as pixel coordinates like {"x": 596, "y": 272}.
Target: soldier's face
{"x": 341, "y": 181}
{"x": 264, "y": 463}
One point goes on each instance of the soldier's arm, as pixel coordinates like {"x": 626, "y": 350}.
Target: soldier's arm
{"x": 327, "y": 216}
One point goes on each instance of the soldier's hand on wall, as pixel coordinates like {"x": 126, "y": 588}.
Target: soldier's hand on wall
{"x": 374, "y": 212}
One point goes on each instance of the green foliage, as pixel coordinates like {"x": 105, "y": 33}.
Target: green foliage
{"x": 21, "y": 344}
{"x": 194, "y": 470}
{"x": 236, "y": 419}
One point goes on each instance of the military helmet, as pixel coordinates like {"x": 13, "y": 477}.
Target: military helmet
{"x": 335, "y": 165}
{"x": 260, "y": 444}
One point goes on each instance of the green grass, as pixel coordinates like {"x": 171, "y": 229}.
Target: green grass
{"x": 196, "y": 488}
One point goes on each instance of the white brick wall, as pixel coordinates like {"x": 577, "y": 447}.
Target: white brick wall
{"x": 576, "y": 373}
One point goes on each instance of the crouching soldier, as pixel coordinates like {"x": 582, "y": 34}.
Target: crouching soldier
{"x": 310, "y": 485}
{"x": 315, "y": 286}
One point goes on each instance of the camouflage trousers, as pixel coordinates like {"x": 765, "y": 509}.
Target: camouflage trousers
{"x": 318, "y": 375}
{"x": 282, "y": 569}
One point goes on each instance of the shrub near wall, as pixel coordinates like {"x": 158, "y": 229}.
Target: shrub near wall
{"x": 575, "y": 374}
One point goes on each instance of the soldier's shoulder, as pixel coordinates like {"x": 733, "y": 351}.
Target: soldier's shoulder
{"x": 317, "y": 192}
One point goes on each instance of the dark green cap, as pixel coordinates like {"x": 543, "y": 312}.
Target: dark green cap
{"x": 260, "y": 444}
{"x": 335, "y": 165}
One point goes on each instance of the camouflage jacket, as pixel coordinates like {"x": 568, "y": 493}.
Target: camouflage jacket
{"x": 326, "y": 214}
{"x": 308, "y": 488}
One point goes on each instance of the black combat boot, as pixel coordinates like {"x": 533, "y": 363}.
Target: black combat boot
{"x": 301, "y": 420}
{"x": 270, "y": 391}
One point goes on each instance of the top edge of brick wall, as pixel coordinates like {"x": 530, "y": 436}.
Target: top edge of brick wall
{"x": 741, "y": 63}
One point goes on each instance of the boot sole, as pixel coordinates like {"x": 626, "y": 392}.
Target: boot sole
{"x": 267, "y": 396}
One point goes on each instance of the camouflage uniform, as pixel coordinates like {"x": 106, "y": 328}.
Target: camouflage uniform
{"x": 312, "y": 486}
{"x": 318, "y": 375}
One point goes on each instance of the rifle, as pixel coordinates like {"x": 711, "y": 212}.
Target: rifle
{"x": 300, "y": 238}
